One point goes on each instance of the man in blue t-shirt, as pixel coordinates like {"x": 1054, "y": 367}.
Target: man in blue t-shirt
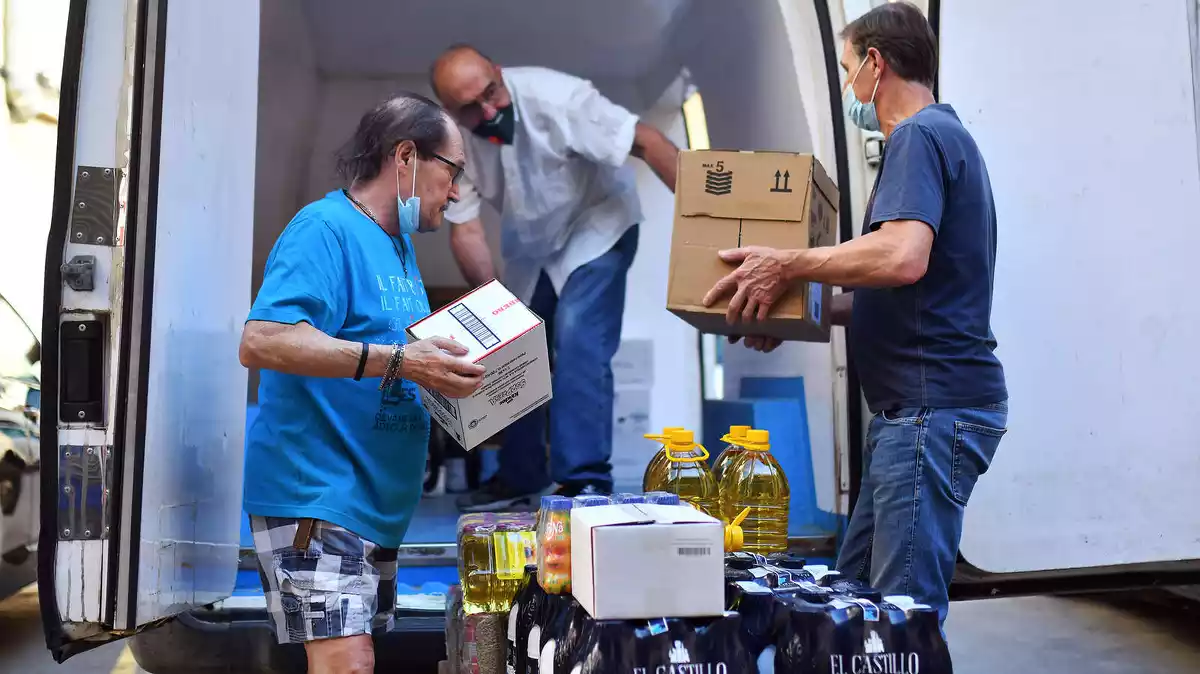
{"x": 919, "y": 316}
{"x": 336, "y": 456}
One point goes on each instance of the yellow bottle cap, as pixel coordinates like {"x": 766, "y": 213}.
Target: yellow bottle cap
{"x": 738, "y": 431}
{"x": 734, "y": 536}
{"x": 665, "y": 435}
{"x": 757, "y": 440}
{"x": 682, "y": 437}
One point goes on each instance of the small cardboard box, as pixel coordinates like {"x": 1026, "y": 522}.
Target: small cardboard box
{"x": 728, "y": 199}
{"x": 508, "y": 339}
{"x": 641, "y": 561}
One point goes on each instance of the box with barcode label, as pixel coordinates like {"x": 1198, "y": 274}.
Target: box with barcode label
{"x": 642, "y": 561}
{"x": 508, "y": 339}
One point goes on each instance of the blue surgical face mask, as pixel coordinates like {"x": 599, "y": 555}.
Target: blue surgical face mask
{"x": 410, "y": 210}
{"x": 862, "y": 114}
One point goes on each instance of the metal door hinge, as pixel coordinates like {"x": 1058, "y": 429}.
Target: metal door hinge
{"x": 84, "y": 492}
{"x": 94, "y": 211}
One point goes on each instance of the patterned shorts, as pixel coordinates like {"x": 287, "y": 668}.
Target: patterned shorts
{"x": 341, "y": 586}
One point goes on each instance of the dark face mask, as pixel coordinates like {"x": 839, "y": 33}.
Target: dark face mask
{"x": 498, "y": 129}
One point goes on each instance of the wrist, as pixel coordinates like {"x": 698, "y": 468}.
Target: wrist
{"x": 377, "y": 360}
{"x": 798, "y": 265}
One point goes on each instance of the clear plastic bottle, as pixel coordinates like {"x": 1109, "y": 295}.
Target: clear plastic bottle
{"x": 756, "y": 481}
{"x": 689, "y": 475}
{"x": 591, "y": 500}
{"x": 733, "y": 449}
{"x": 476, "y": 568}
{"x": 662, "y": 498}
{"x": 656, "y": 471}
{"x": 554, "y": 545}
{"x": 514, "y": 545}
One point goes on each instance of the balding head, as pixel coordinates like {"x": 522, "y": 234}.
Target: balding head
{"x": 468, "y": 84}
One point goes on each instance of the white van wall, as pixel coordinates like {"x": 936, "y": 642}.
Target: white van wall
{"x": 741, "y": 59}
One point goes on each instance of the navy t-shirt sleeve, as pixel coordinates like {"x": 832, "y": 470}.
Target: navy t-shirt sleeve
{"x": 304, "y": 279}
{"x": 911, "y": 186}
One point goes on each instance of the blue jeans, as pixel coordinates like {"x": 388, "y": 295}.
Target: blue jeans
{"x": 919, "y": 467}
{"x": 583, "y": 325}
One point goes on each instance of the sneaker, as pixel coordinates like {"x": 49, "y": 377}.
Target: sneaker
{"x": 495, "y": 496}
{"x": 573, "y": 489}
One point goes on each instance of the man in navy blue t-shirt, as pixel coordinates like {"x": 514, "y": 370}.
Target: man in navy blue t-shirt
{"x": 919, "y": 316}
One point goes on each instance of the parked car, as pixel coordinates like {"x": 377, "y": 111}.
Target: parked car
{"x": 20, "y": 449}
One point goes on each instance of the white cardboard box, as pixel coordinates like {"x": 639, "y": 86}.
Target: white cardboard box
{"x": 641, "y": 561}
{"x": 508, "y": 339}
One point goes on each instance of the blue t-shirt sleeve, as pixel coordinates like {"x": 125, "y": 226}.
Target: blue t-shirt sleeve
{"x": 304, "y": 281}
{"x": 912, "y": 186}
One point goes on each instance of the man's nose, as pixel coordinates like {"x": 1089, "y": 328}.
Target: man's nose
{"x": 489, "y": 111}
{"x": 453, "y": 192}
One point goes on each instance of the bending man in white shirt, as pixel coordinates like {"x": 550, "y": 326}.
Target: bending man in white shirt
{"x": 548, "y": 152}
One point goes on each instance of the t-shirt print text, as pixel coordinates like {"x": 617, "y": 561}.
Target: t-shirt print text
{"x": 397, "y": 293}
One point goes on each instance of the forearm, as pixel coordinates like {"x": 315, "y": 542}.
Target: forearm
{"x": 841, "y": 308}
{"x": 875, "y": 260}
{"x": 469, "y": 245}
{"x": 659, "y": 153}
{"x": 305, "y": 351}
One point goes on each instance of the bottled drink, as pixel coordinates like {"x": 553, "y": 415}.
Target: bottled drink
{"x": 554, "y": 544}
{"x": 756, "y": 481}
{"x": 656, "y": 470}
{"x": 521, "y": 618}
{"x": 475, "y": 565}
{"x": 689, "y": 475}
{"x": 628, "y": 498}
{"x": 733, "y": 449}
{"x": 662, "y": 498}
{"x": 591, "y": 500}
{"x": 514, "y": 545}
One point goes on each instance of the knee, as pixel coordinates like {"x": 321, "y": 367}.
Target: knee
{"x": 348, "y": 655}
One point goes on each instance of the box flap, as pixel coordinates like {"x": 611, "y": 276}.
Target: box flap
{"x": 483, "y": 320}
{"x": 680, "y": 514}
{"x": 749, "y": 185}
{"x": 612, "y": 515}
{"x": 826, "y": 185}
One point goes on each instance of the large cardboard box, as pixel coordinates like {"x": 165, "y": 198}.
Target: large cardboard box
{"x": 508, "y": 339}
{"x": 728, "y": 199}
{"x": 641, "y": 561}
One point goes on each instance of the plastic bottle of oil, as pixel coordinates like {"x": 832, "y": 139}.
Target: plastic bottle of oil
{"x": 756, "y": 481}
{"x": 733, "y": 449}
{"x": 689, "y": 475}
{"x": 476, "y": 568}
{"x": 656, "y": 470}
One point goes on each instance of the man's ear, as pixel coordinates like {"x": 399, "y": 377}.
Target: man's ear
{"x": 405, "y": 151}
{"x": 879, "y": 62}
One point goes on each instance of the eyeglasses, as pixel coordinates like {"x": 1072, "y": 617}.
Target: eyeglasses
{"x": 456, "y": 171}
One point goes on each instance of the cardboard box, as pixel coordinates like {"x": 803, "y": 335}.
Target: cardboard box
{"x": 727, "y": 199}
{"x": 505, "y": 337}
{"x": 641, "y": 561}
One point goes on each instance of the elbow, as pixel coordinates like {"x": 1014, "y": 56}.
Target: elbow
{"x": 908, "y": 269}
{"x": 250, "y": 349}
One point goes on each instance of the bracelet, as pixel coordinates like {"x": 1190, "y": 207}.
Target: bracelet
{"x": 362, "y": 362}
{"x": 392, "y": 373}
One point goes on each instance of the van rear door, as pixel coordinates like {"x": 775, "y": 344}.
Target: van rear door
{"x": 1088, "y": 122}
{"x": 147, "y": 286}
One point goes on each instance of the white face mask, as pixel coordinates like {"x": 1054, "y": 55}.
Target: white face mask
{"x": 408, "y": 211}
{"x": 862, "y": 114}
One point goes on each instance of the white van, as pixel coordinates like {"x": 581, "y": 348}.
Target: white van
{"x": 191, "y": 131}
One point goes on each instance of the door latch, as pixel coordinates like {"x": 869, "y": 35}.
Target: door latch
{"x": 80, "y": 273}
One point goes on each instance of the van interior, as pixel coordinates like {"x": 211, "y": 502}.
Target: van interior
{"x": 730, "y": 66}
